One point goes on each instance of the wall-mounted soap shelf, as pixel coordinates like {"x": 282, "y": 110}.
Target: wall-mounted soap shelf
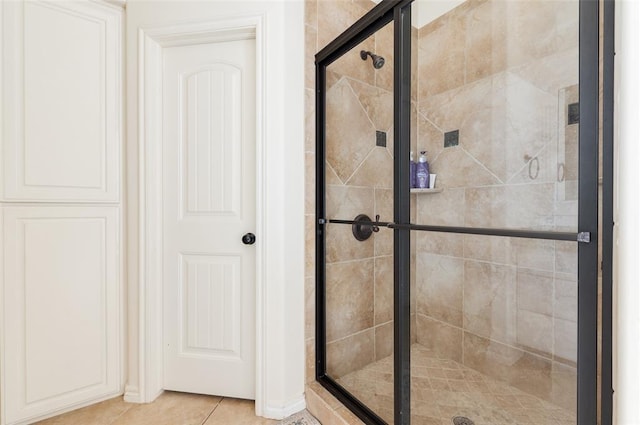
{"x": 434, "y": 190}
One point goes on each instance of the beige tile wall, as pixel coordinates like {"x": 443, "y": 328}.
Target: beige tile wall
{"x": 359, "y": 274}
{"x": 311, "y": 47}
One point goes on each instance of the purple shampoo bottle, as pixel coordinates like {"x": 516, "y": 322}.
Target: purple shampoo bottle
{"x": 422, "y": 171}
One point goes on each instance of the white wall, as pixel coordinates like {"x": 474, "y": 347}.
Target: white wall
{"x": 627, "y": 214}
{"x": 283, "y": 358}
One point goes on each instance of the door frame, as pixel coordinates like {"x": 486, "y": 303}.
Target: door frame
{"x": 149, "y": 353}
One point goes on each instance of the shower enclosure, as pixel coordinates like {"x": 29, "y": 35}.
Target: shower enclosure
{"x": 475, "y": 300}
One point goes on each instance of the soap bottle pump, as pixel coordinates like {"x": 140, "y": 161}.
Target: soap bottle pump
{"x": 412, "y": 172}
{"x": 422, "y": 171}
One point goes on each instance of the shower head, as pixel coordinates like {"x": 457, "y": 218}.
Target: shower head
{"x": 378, "y": 61}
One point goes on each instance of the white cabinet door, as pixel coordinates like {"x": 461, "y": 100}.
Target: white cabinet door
{"x": 61, "y": 298}
{"x": 61, "y": 92}
{"x": 209, "y": 195}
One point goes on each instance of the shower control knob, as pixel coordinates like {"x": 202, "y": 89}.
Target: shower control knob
{"x": 249, "y": 239}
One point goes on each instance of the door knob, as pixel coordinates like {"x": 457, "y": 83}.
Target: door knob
{"x": 249, "y": 239}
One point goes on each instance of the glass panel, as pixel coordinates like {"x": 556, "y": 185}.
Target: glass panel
{"x": 360, "y": 318}
{"x": 495, "y": 331}
{"x": 359, "y": 180}
{"x": 497, "y": 112}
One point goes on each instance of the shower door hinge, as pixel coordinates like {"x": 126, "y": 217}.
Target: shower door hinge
{"x": 584, "y": 237}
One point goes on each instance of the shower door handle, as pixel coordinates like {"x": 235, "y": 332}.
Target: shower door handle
{"x": 249, "y": 239}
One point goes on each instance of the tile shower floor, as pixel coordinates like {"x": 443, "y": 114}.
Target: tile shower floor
{"x": 443, "y": 389}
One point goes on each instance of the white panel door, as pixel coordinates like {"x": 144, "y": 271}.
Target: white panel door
{"x": 61, "y": 100}
{"x": 61, "y": 314}
{"x": 209, "y": 204}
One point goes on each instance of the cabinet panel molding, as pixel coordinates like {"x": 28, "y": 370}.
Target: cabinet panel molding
{"x": 62, "y": 92}
{"x": 62, "y": 295}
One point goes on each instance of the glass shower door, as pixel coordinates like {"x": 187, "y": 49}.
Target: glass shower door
{"x": 474, "y": 300}
{"x": 496, "y": 247}
{"x": 358, "y": 192}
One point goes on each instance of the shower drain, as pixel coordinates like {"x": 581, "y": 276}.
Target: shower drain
{"x": 461, "y": 420}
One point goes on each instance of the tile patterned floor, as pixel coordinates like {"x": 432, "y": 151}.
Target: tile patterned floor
{"x": 300, "y": 418}
{"x": 443, "y": 388}
{"x": 170, "y": 408}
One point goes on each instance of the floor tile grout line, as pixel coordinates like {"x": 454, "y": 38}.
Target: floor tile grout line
{"x": 212, "y": 410}
{"x": 131, "y": 406}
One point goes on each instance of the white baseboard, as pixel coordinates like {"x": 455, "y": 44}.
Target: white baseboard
{"x": 281, "y": 412}
{"x": 132, "y": 394}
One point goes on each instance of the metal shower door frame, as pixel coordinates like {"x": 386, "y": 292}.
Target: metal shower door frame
{"x": 399, "y": 12}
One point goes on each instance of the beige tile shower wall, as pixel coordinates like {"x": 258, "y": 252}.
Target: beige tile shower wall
{"x": 359, "y": 274}
{"x": 311, "y": 47}
{"x": 502, "y": 73}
